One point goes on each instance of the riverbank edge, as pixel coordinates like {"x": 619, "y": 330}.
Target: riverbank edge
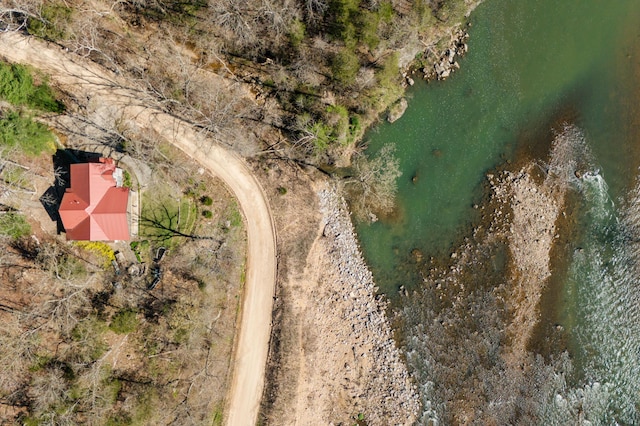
{"x": 367, "y": 308}
{"x": 333, "y": 357}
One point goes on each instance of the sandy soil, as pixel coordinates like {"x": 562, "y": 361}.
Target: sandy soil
{"x": 333, "y": 356}
{"x": 99, "y": 86}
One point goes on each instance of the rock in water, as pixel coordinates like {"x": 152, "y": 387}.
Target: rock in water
{"x": 397, "y": 110}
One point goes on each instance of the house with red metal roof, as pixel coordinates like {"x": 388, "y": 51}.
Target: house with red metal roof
{"x": 94, "y": 207}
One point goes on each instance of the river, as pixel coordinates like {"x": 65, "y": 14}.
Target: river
{"x": 533, "y": 65}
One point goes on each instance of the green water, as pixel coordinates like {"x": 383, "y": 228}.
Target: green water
{"x": 531, "y": 64}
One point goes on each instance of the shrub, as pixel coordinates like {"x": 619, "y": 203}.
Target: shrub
{"x": 53, "y": 22}
{"x": 140, "y": 249}
{"x": 124, "y": 321}
{"x": 368, "y": 29}
{"x": 126, "y": 181}
{"x": 17, "y": 86}
{"x": 389, "y": 71}
{"x": 322, "y": 136}
{"x": 340, "y": 16}
{"x": 296, "y": 33}
{"x": 338, "y": 117}
{"x": 14, "y": 225}
{"x": 207, "y": 214}
{"x": 206, "y": 200}
{"x": 29, "y": 136}
{"x": 345, "y": 66}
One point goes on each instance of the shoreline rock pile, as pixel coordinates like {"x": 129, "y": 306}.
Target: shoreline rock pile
{"x": 383, "y": 387}
{"x": 447, "y": 62}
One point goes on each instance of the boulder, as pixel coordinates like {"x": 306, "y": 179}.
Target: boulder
{"x": 397, "y": 110}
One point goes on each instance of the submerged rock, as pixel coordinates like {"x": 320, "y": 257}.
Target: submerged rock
{"x": 417, "y": 255}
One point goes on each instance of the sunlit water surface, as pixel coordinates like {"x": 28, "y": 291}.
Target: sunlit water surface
{"x": 533, "y": 64}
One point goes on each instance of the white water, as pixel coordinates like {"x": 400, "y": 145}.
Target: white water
{"x": 602, "y": 318}
{"x": 598, "y": 381}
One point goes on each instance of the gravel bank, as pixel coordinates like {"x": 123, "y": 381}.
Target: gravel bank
{"x": 384, "y": 389}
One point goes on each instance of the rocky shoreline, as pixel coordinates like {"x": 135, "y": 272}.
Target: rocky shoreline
{"x": 446, "y": 62}
{"x": 388, "y": 394}
{"x": 443, "y": 64}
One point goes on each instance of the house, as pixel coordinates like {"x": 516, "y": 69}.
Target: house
{"x": 94, "y": 208}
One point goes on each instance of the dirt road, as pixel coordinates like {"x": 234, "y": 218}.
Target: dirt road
{"x": 252, "y": 341}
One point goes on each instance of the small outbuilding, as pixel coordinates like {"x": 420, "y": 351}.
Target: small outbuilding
{"x": 94, "y": 207}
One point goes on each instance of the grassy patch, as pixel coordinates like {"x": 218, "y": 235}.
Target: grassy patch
{"x": 14, "y": 225}
{"x": 164, "y": 218}
{"x": 235, "y": 217}
{"x": 243, "y": 273}
{"x": 217, "y": 417}
{"x": 25, "y": 134}
{"x": 18, "y": 86}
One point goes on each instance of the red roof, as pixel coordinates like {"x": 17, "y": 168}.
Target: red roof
{"x": 93, "y": 208}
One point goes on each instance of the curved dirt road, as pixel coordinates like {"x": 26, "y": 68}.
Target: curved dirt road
{"x": 252, "y": 341}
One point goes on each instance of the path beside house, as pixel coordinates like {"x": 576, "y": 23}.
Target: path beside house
{"x": 252, "y": 340}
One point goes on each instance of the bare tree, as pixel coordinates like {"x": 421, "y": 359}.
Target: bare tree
{"x": 236, "y": 17}
{"x": 14, "y": 15}
{"x": 373, "y": 186}
{"x": 89, "y": 41}
{"x": 315, "y": 10}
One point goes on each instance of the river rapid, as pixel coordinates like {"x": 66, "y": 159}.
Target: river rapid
{"x": 516, "y": 237}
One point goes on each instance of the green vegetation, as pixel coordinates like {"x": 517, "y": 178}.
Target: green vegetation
{"x": 297, "y": 33}
{"x": 368, "y": 29}
{"x": 206, "y": 200}
{"x": 141, "y": 249}
{"x": 126, "y": 179}
{"x": 177, "y": 12}
{"x": 388, "y": 89}
{"x": 164, "y": 219}
{"x": 360, "y": 421}
{"x": 14, "y": 225}
{"x": 207, "y": 214}
{"x": 18, "y": 86}
{"x": 217, "y": 417}
{"x": 234, "y": 215}
{"x": 28, "y": 136}
{"x": 52, "y": 23}
{"x": 124, "y": 321}
{"x": 344, "y": 66}
{"x": 342, "y": 16}
{"x": 89, "y": 334}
